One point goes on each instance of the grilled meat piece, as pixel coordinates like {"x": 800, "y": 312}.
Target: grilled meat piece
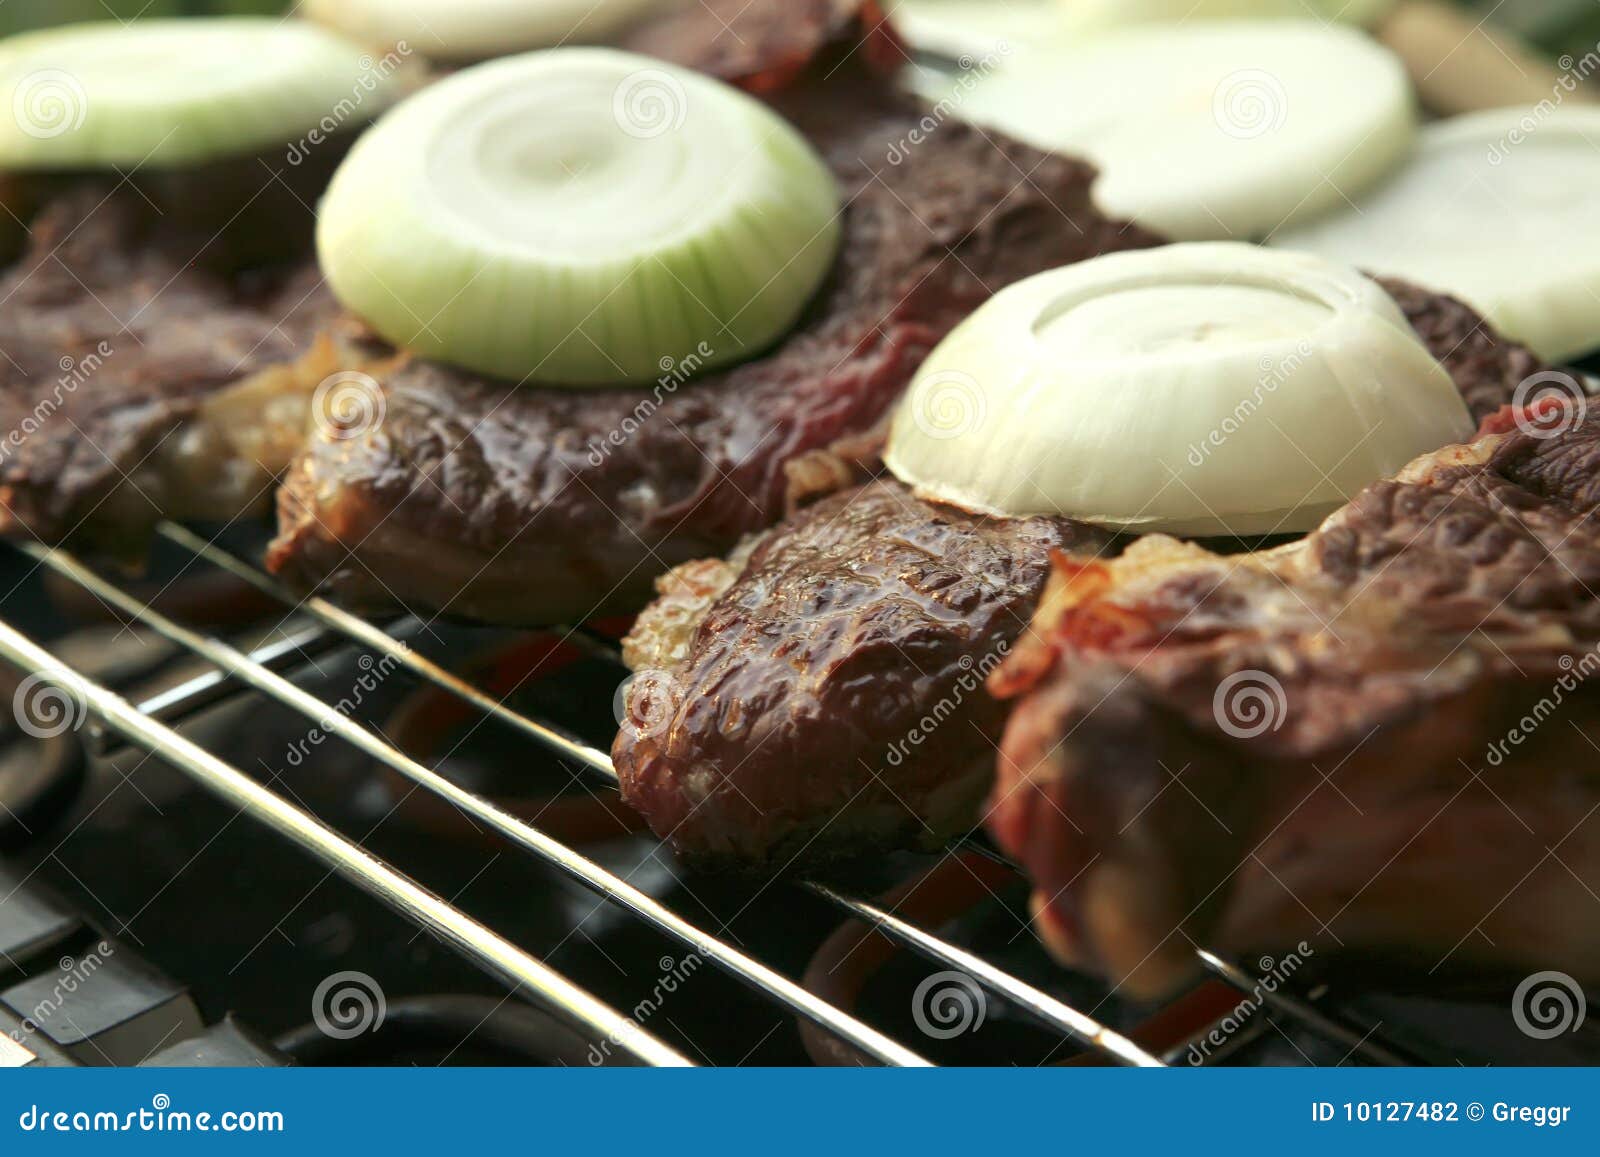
{"x": 1381, "y": 738}
{"x": 802, "y": 673}
{"x": 508, "y": 503}
{"x": 1486, "y": 367}
{"x": 822, "y": 690}
{"x": 764, "y": 45}
{"x": 137, "y": 383}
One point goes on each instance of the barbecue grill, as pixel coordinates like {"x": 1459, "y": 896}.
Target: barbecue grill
{"x": 1303, "y": 1018}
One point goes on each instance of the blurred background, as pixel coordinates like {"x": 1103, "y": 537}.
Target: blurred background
{"x": 1553, "y": 26}
{"x": 16, "y": 15}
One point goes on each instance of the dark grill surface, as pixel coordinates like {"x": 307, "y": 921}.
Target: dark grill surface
{"x": 201, "y": 887}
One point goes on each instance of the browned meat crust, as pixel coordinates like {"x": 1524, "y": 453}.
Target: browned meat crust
{"x": 486, "y": 500}
{"x": 114, "y": 338}
{"x": 774, "y": 685}
{"x": 825, "y": 693}
{"x": 1378, "y": 739}
{"x": 1486, "y": 366}
{"x": 763, "y": 45}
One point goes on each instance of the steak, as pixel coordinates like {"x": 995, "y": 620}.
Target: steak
{"x": 499, "y": 502}
{"x": 138, "y": 379}
{"x": 823, "y": 690}
{"x": 810, "y": 696}
{"x": 1379, "y": 739}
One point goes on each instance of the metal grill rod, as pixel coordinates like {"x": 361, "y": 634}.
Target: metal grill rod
{"x": 1306, "y": 1013}
{"x": 552, "y": 851}
{"x": 1051, "y": 1012}
{"x": 1040, "y": 1004}
{"x": 354, "y": 863}
{"x": 368, "y": 635}
{"x": 211, "y": 687}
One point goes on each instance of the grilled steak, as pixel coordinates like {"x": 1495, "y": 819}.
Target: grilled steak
{"x": 788, "y": 698}
{"x": 1380, "y": 738}
{"x": 501, "y": 502}
{"x": 136, "y": 381}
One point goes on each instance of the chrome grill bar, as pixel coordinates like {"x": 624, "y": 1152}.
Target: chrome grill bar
{"x": 262, "y": 669}
{"x": 238, "y": 665}
{"x": 1039, "y": 1004}
{"x": 1287, "y": 1004}
{"x": 214, "y": 686}
{"x": 363, "y": 632}
{"x": 496, "y": 954}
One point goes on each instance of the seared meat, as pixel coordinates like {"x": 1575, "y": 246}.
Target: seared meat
{"x": 800, "y": 676}
{"x": 765, "y": 44}
{"x": 502, "y": 502}
{"x": 1381, "y": 738}
{"x": 1486, "y": 367}
{"x": 823, "y": 690}
{"x": 137, "y": 383}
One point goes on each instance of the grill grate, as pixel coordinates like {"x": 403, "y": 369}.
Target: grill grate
{"x": 150, "y": 724}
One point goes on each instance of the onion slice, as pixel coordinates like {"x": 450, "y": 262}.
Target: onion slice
{"x": 1092, "y": 14}
{"x": 972, "y": 29}
{"x": 1198, "y": 389}
{"x": 579, "y": 216}
{"x": 464, "y": 30}
{"x": 1499, "y": 208}
{"x": 1209, "y": 130}
{"x": 968, "y": 30}
{"x": 1085, "y": 14}
{"x": 171, "y": 93}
